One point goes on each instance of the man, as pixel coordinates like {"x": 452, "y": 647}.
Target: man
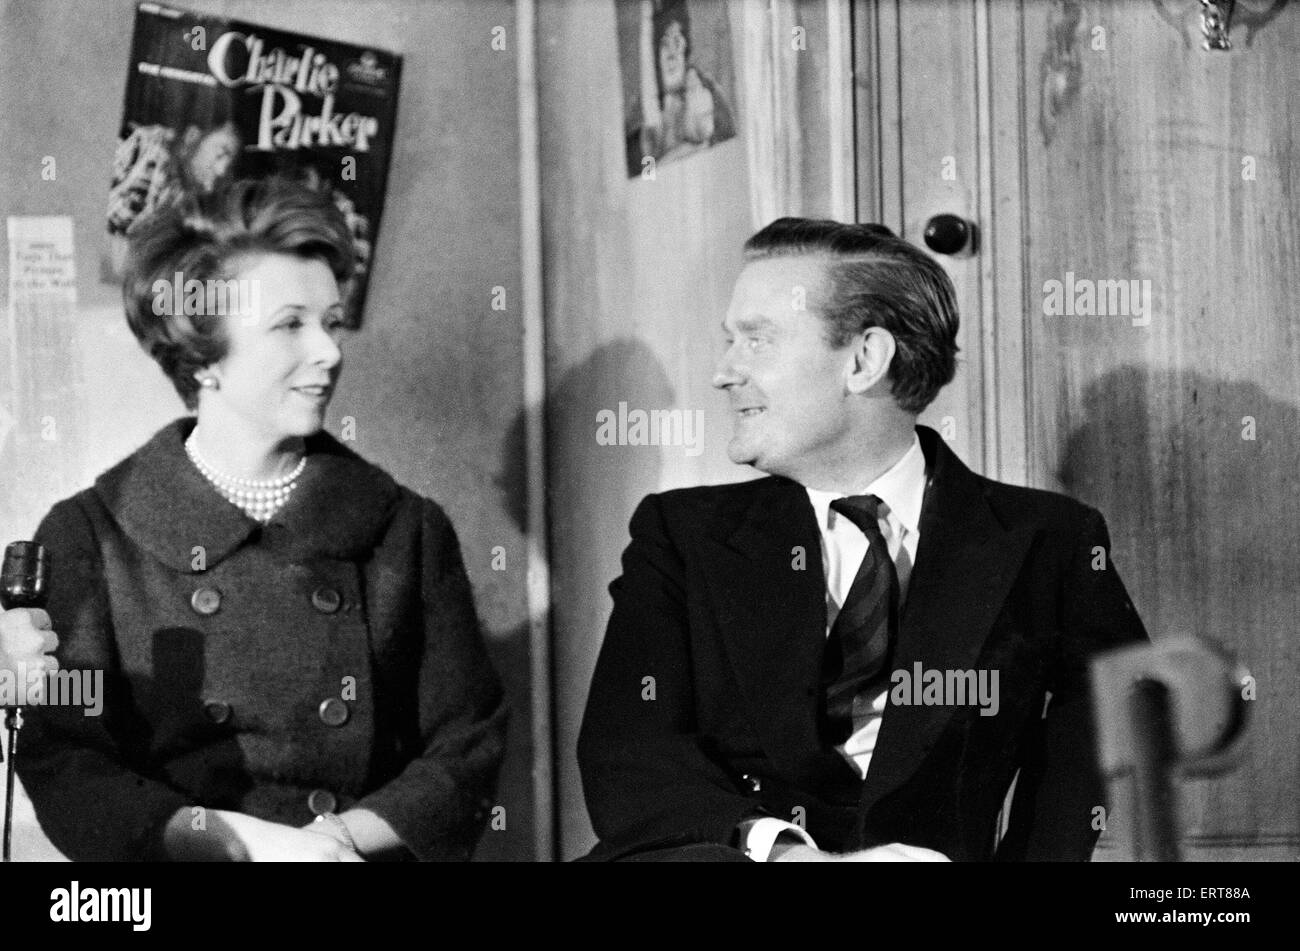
{"x": 853, "y": 658}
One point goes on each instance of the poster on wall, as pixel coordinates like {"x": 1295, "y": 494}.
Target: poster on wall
{"x": 678, "y": 81}
{"x": 210, "y": 99}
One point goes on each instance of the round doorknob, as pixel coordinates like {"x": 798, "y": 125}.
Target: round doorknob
{"x": 949, "y": 234}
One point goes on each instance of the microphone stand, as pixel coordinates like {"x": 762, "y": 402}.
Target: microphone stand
{"x": 13, "y": 722}
{"x": 23, "y": 578}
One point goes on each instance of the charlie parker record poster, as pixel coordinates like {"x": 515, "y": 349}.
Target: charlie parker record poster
{"x": 210, "y": 99}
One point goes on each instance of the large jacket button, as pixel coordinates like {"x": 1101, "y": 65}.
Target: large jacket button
{"x": 321, "y": 801}
{"x": 334, "y": 712}
{"x": 326, "y": 600}
{"x": 218, "y": 711}
{"x": 206, "y": 600}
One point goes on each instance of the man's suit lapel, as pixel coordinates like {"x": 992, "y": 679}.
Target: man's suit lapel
{"x": 966, "y": 562}
{"x": 765, "y": 574}
{"x": 772, "y": 615}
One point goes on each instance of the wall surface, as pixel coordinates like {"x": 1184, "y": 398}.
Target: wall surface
{"x": 638, "y": 274}
{"x": 434, "y": 379}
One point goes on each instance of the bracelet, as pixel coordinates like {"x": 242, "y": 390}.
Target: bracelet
{"x": 342, "y": 826}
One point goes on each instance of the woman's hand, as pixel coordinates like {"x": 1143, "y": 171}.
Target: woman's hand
{"x": 373, "y": 836}
{"x": 264, "y": 841}
{"x": 26, "y": 650}
{"x": 237, "y": 837}
{"x": 894, "y": 852}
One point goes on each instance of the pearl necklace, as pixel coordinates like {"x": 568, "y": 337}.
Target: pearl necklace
{"x": 260, "y": 498}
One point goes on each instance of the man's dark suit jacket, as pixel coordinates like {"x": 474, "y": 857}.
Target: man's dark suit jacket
{"x": 714, "y": 606}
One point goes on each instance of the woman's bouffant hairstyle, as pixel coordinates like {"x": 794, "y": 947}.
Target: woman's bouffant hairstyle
{"x": 877, "y": 279}
{"x": 202, "y": 240}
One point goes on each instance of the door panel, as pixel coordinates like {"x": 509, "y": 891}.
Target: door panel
{"x": 924, "y": 161}
{"x": 1097, "y": 145}
{"x": 1180, "y": 424}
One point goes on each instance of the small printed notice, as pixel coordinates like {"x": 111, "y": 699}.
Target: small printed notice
{"x": 41, "y": 259}
{"x": 39, "y": 369}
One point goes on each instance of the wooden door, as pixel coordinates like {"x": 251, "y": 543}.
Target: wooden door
{"x": 919, "y": 157}
{"x": 1152, "y": 184}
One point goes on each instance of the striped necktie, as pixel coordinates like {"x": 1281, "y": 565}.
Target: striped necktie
{"x": 861, "y": 640}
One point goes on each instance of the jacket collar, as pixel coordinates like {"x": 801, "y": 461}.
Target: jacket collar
{"x": 339, "y": 509}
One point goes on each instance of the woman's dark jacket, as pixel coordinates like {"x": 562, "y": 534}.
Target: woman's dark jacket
{"x": 329, "y": 659}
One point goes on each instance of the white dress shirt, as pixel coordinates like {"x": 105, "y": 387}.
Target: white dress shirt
{"x": 844, "y": 545}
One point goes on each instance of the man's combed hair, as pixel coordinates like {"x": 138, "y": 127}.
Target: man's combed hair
{"x": 203, "y": 239}
{"x": 877, "y": 279}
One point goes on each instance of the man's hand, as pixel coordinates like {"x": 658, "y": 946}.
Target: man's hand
{"x": 894, "y": 852}
{"x": 27, "y": 643}
{"x": 237, "y": 837}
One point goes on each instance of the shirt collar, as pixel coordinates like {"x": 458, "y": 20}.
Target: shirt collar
{"x": 901, "y": 488}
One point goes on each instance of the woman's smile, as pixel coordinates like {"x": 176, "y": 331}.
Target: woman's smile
{"x": 316, "y": 393}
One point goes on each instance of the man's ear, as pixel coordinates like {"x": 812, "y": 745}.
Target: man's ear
{"x": 872, "y": 353}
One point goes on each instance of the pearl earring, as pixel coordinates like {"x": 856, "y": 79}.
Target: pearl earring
{"x": 208, "y": 382}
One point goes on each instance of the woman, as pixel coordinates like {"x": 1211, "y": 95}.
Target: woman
{"x": 293, "y": 666}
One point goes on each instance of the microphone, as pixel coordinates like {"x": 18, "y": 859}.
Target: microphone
{"x": 24, "y": 578}
{"x": 1170, "y": 709}
{"x": 24, "y": 583}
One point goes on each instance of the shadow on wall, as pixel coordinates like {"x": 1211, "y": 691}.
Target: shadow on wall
{"x": 623, "y": 371}
{"x": 593, "y": 489}
{"x": 1198, "y": 478}
{"x": 510, "y": 835}
{"x": 595, "y": 483}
